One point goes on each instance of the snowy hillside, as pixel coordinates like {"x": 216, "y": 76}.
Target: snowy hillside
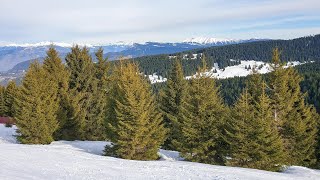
{"x": 208, "y": 40}
{"x": 83, "y": 160}
{"x": 243, "y": 69}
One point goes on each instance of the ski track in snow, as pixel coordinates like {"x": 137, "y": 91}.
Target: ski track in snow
{"x": 83, "y": 160}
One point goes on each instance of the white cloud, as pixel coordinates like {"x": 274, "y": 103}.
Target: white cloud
{"x": 106, "y": 20}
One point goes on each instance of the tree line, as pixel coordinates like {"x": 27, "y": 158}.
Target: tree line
{"x": 300, "y": 49}
{"x": 268, "y": 126}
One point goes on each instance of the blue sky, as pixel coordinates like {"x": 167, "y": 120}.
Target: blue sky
{"x": 106, "y": 21}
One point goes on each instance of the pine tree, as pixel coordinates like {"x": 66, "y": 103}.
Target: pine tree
{"x": 299, "y": 131}
{"x": 202, "y": 121}
{"x": 239, "y": 129}
{"x": 57, "y": 72}
{"x": 37, "y": 105}
{"x": 96, "y": 128}
{"x": 253, "y": 84}
{"x": 252, "y": 134}
{"x": 2, "y": 101}
{"x": 10, "y": 92}
{"x": 173, "y": 99}
{"x": 82, "y": 85}
{"x": 138, "y": 127}
{"x": 296, "y": 120}
{"x": 282, "y": 98}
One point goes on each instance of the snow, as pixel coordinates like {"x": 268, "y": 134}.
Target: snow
{"x": 83, "y": 160}
{"x": 47, "y": 43}
{"x": 208, "y": 40}
{"x": 230, "y": 71}
{"x": 240, "y": 69}
{"x": 154, "y": 78}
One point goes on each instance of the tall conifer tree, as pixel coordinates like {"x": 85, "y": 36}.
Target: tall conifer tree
{"x": 37, "y": 105}
{"x": 57, "y": 72}
{"x": 173, "y": 103}
{"x": 96, "y": 128}
{"x": 2, "y": 101}
{"x": 137, "y": 126}
{"x": 202, "y": 122}
{"x": 253, "y": 134}
{"x": 296, "y": 120}
{"x": 82, "y": 88}
{"x": 10, "y": 94}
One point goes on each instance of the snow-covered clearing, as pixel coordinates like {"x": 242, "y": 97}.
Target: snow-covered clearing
{"x": 243, "y": 69}
{"x": 83, "y": 160}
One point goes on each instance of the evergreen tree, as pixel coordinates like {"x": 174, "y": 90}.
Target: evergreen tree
{"x": 253, "y": 135}
{"x": 82, "y": 88}
{"x": 172, "y": 100}
{"x": 202, "y": 123}
{"x": 2, "y": 101}
{"x": 37, "y": 106}
{"x": 282, "y": 98}
{"x": 241, "y": 144}
{"x": 295, "y": 119}
{"x": 271, "y": 155}
{"x": 96, "y": 128}
{"x": 10, "y": 92}
{"x": 138, "y": 128}
{"x": 253, "y": 83}
{"x": 299, "y": 132}
{"x": 57, "y": 72}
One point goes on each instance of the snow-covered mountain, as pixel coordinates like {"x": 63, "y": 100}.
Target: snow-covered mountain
{"x": 209, "y": 40}
{"x": 218, "y": 41}
{"x": 14, "y": 54}
{"x": 84, "y": 160}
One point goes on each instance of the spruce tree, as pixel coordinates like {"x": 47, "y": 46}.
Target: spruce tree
{"x": 57, "y": 72}
{"x": 201, "y": 139}
{"x": 96, "y": 128}
{"x": 239, "y": 130}
{"x": 10, "y": 92}
{"x": 173, "y": 102}
{"x": 253, "y": 135}
{"x": 296, "y": 120}
{"x": 36, "y": 107}
{"x": 2, "y": 101}
{"x": 282, "y": 98}
{"x": 138, "y": 130}
{"x": 299, "y": 132}
{"x": 82, "y": 85}
{"x": 254, "y": 83}
{"x": 272, "y": 154}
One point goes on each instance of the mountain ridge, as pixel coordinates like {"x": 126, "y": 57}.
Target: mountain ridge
{"x": 14, "y": 54}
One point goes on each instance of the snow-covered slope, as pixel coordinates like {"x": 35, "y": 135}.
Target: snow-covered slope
{"x": 243, "y": 69}
{"x": 209, "y": 40}
{"x": 83, "y": 160}
{"x": 218, "y": 41}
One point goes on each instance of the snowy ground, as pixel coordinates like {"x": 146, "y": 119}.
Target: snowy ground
{"x": 239, "y": 70}
{"x": 83, "y": 160}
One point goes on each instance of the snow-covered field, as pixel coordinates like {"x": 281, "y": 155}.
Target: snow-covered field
{"x": 83, "y": 160}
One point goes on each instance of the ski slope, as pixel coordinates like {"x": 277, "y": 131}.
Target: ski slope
{"x": 83, "y": 160}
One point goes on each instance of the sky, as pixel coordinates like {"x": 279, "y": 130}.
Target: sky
{"x": 108, "y": 21}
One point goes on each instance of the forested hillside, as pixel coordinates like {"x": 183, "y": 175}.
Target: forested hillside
{"x": 300, "y": 49}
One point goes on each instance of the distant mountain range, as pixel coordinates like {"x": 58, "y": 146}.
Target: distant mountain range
{"x": 17, "y": 57}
